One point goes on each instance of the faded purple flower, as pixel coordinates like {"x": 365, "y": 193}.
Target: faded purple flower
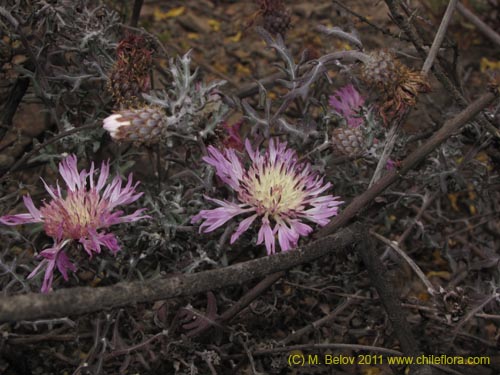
{"x": 348, "y": 103}
{"x": 390, "y": 165}
{"x": 83, "y": 213}
{"x": 276, "y": 188}
{"x": 233, "y": 138}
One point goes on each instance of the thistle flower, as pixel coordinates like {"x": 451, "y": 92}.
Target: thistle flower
{"x": 83, "y": 214}
{"x": 141, "y": 126}
{"x": 348, "y": 102}
{"x": 276, "y": 188}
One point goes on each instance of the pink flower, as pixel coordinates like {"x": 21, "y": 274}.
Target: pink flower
{"x": 391, "y": 164}
{"x": 83, "y": 213}
{"x": 276, "y": 188}
{"x": 348, "y": 103}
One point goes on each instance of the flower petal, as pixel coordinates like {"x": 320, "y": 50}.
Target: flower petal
{"x": 266, "y": 234}
{"x": 52, "y": 257}
{"x": 17, "y": 219}
{"x": 227, "y": 167}
{"x": 69, "y": 172}
{"x": 63, "y": 265}
{"x": 243, "y": 227}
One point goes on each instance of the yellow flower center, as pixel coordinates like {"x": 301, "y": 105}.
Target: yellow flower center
{"x": 274, "y": 191}
{"x": 73, "y": 215}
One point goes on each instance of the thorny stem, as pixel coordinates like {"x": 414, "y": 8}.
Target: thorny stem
{"x": 325, "y": 61}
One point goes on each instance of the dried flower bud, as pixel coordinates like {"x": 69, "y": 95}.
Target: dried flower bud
{"x": 400, "y": 84}
{"x": 348, "y": 141}
{"x": 141, "y": 126}
{"x": 130, "y": 75}
{"x": 276, "y": 17}
{"x": 381, "y": 69}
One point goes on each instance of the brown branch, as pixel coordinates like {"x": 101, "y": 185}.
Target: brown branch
{"x": 294, "y": 336}
{"x": 394, "y": 246}
{"x": 438, "y": 39}
{"x": 249, "y": 297}
{"x": 81, "y": 300}
{"x": 451, "y": 126}
{"x": 391, "y": 303}
{"x": 481, "y": 26}
{"x": 363, "y": 19}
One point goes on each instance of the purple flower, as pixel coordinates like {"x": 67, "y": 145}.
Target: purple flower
{"x": 83, "y": 213}
{"x": 276, "y": 188}
{"x": 390, "y": 165}
{"x": 348, "y": 103}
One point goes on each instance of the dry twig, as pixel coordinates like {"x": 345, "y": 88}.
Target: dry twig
{"x": 438, "y": 39}
{"x": 74, "y": 301}
{"x": 481, "y": 26}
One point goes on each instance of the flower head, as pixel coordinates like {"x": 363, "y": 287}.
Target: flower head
{"x": 400, "y": 84}
{"x": 142, "y": 126}
{"x": 83, "y": 214}
{"x": 348, "y": 103}
{"x": 276, "y": 188}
